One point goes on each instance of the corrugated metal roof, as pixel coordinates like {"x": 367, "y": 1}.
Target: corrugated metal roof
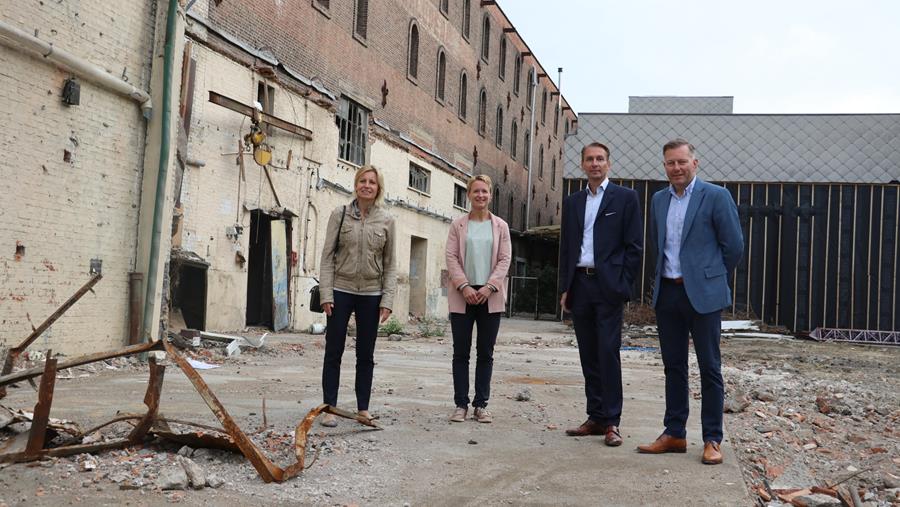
{"x": 851, "y": 148}
{"x": 681, "y": 105}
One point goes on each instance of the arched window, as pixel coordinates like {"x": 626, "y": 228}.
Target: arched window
{"x": 502, "y": 58}
{"x": 526, "y": 146}
{"x": 567, "y": 126}
{"x": 482, "y": 112}
{"x": 513, "y": 139}
{"x": 495, "y": 202}
{"x": 445, "y": 6}
{"x": 541, "y": 162}
{"x": 544, "y": 107}
{"x": 517, "y": 73}
{"x": 510, "y": 208}
{"x": 553, "y": 173}
{"x": 498, "y": 130}
{"x": 529, "y": 93}
{"x": 412, "y": 58}
{"x": 485, "y": 37}
{"x": 463, "y": 94}
{"x": 441, "y": 74}
{"x": 466, "y": 18}
{"x": 555, "y": 120}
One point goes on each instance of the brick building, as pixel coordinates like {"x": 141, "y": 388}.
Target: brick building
{"x": 429, "y": 91}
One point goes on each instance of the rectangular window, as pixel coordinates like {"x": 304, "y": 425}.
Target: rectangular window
{"x": 322, "y": 5}
{"x": 361, "y": 18}
{"x": 265, "y": 95}
{"x": 419, "y": 178}
{"x": 353, "y": 125}
{"x": 460, "y": 199}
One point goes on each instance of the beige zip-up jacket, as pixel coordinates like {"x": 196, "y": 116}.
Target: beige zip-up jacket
{"x": 365, "y": 258}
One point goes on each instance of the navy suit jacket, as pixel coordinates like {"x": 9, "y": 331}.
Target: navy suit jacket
{"x": 618, "y": 242}
{"x": 712, "y": 243}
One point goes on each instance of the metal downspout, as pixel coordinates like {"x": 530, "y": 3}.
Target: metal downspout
{"x": 531, "y": 136}
{"x": 164, "y": 148}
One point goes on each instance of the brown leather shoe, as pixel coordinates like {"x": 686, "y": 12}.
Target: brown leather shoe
{"x": 588, "y": 427}
{"x": 613, "y": 437}
{"x": 711, "y": 453}
{"x": 665, "y": 443}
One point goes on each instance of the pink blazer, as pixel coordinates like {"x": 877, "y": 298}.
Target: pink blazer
{"x": 501, "y": 254}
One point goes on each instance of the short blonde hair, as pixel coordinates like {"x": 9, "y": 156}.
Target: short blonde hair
{"x": 379, "y": 197}
{"x": 484, "y": 178}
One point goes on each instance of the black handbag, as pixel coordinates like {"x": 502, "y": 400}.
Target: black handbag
{"x": 315, "y": 298}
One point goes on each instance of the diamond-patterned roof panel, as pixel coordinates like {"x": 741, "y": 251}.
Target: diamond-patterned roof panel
{"x": 681, "y": 105}
{"x": 862, "y": 148}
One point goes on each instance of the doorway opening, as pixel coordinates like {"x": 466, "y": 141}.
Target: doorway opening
{"x": 418, "y": 250}
{"x": 268, "y": 271}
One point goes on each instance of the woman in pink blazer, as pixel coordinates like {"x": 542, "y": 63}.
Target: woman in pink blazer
{"x": 478, "y": 258}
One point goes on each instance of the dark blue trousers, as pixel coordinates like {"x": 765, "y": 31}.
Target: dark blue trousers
{"x": 461, "y": 325}
{"x": 367, "y": 312}
{"x": 677, "y": 321}
{"x": 598, "y": 330}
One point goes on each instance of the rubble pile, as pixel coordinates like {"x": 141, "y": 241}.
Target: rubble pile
{"x": 815, "y": 427}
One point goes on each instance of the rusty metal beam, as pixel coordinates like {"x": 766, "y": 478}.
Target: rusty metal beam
{"x": 14, "y": 352}
{"x": 78, "y": 361}
{"x": 266, "y": 469}
{"x": 38, "y": 431}
{"x": 238, "y": 107}
{"x": 151, "y": 399}
{"x": 67, "y": 450}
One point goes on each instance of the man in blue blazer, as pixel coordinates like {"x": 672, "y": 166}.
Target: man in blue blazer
{"x": 600, "y": 252}
{"x": 698, "y": 242}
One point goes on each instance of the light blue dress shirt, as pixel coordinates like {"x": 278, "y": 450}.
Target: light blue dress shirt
{"x": 591, "y": 207}
{"x": 674, "y": 226}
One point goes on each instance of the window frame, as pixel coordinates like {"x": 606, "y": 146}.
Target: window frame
{"x": 517, "y": 74}
{"x": 498, "y": 127}
{"x": 457, "y": 187}
{"x": 353, "y": 135}
{"x": 501, "y": 58}
{"x": 514, "y": 139}
{"x": 482, "y": 112}
{"x": 418, "y": 173}
{"x": 412, "y": 52}
{"x": 463, "y": 96}
{"x": 363, "y": 21}
{"x": 466, "y": 28}
{"x": 440, "y": 75}
{"x": 486, "y": 38}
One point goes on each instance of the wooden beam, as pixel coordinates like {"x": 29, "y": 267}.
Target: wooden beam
{"x": 228, "y": 103}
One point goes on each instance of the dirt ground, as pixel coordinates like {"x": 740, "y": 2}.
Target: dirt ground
{"x": 804, "y": 414}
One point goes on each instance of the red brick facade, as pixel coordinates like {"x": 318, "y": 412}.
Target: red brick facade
{"x": 321, "y": 43}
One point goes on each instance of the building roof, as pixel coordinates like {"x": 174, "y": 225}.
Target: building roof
{"x": 846, "y": 148}
{"x": 681, "y": 105}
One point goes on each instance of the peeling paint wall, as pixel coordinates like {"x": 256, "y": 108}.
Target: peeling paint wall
{"x": 70, "y": 176}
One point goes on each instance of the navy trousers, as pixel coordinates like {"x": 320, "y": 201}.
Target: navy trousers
{"x": 461, "y": 325}
{"x": 598, "y": 330}
{"x": 677, "y": 321}
{"x": 367, "y": 312}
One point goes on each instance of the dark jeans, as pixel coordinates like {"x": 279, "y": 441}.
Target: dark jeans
{"x": 461, "y": 326}
{"x": 367, "y": 311}
{"x": 675, "y": 320}
{"x": 598, "y": 330}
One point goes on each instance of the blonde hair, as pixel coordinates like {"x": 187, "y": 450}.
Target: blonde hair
{"x": 379, "y": 197}
{"x": 484, "y": 178}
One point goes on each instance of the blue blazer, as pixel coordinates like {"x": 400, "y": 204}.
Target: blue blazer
{"x": 712, "y": 243}
{"x": 618, "y": 242}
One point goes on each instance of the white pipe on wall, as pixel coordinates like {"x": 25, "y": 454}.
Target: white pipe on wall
{"x": 16, "y": 38}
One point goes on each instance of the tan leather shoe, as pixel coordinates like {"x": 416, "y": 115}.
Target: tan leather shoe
{"x": 712, "y": 455}
{"x": 613, "y": 437}
{"x": 459, "y": 415}
{"x": 665, "y": 443}
{"x": 328, "y": 421}
{"x": 482, "y": 415}
{"x": 588, "y": 427}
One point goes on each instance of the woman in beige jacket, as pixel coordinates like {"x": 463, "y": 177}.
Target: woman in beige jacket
{"x": 478, "y": 258}
{"x": 357, "y": 276}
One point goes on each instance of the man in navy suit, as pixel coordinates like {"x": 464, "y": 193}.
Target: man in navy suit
{"x": 698, "y": 242}
{"x": 600, "y": 252}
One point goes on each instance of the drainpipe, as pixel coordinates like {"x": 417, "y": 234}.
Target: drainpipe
{"x": 163, "y": 172}
{"x": 16, "y": 38}
{"x": 533, "y": 85}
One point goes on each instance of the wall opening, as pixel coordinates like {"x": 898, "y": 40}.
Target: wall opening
{"x": 418, "y": 250}
{"x": 268, "y": 271}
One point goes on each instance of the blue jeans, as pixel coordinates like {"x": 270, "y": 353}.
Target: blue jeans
{"x": 461, "y": 326}
{"x": 367, "y": 312}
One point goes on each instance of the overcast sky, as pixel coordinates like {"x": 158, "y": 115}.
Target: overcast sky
{"x": 785, "y": 56}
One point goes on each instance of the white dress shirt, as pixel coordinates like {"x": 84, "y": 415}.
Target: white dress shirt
{"x": 591, "y": 207}
{"x": 674, "y": 227}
